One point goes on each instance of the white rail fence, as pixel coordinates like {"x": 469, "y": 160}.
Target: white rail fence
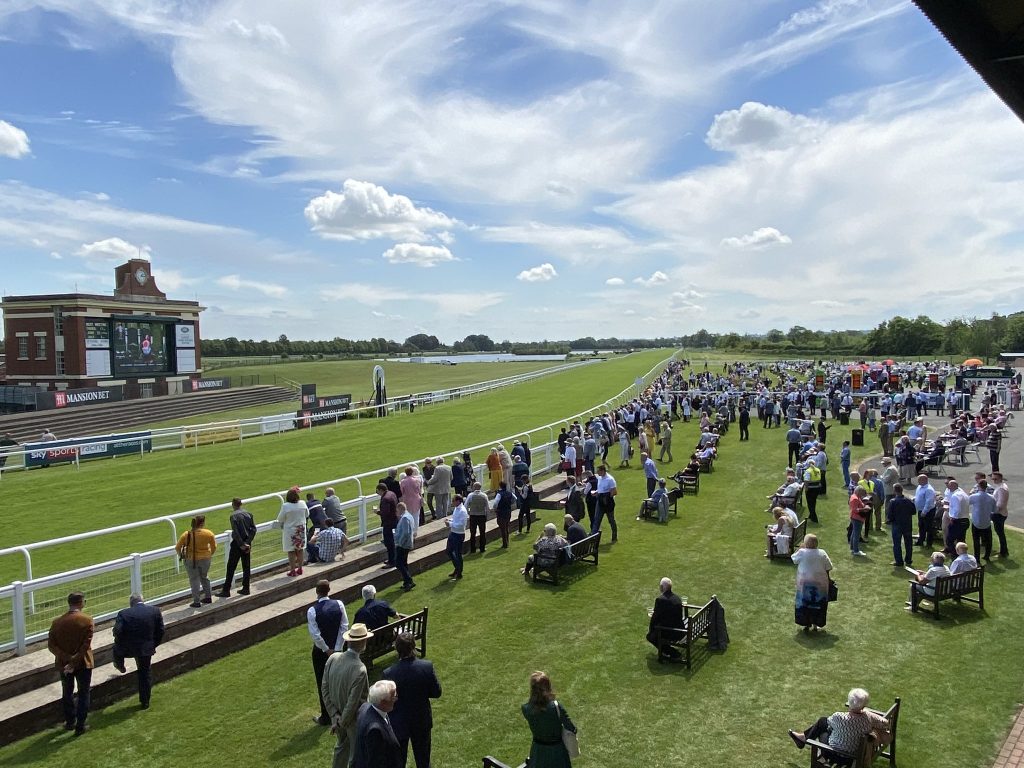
{"x": 28, "y": 607}
{"x": 238, "y": 430}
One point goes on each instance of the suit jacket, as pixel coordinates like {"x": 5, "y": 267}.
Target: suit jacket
{"x": 668, "y": 612}
{"x": 344, "y": 687}
{"x": 417, "y": 685}
{"x": 70, "y": 640}
{"x": 138, "y": 630}
{"x": 376, "y": 745}
{"x": 441, "y": 481}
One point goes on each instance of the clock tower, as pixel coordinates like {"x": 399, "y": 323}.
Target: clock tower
{"x": 135, "y": 279}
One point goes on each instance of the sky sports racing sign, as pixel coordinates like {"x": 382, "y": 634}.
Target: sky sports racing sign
{"x": 80, "y": 449}
{"x": 71, "y": 398}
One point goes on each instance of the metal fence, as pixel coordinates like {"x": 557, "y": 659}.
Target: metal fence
{"x": 28, "y": 607}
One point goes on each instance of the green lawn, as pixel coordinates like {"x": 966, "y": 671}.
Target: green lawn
{"x": 959, "y": 678}
{"x": 111, "y": 492}
{"x": 335, "y": 377}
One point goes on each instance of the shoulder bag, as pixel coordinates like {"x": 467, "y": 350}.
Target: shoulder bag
{"x": 569, "y": 738}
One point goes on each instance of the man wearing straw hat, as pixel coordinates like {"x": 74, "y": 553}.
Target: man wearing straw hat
{"x": 344, "y": 688}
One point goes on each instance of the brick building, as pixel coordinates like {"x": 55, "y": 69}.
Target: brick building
{"x": 135, "y": 340}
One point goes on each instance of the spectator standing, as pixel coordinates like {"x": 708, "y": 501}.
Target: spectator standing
{"x": 327, "y": 622}
{"x": 666, "y": 443}
{"x": 388, "y": 511}
{"x": 440, "y": 485}
{"x": 196, "y": 547}
{"x": 332, "y": 508}
{"x": 546, "y": 718}
{"x": 813, "y": 573}
{"x": 994, "y": 443}
{"x": 524, "y": 499}
{"x": 70, "y": 642}
{"x": 859, "y": 513}
{"x": 650, "y": 473}
{"x": 457, "y": 524}
{"x": 243, "y": 533}
{"x": 844, "y": 462}
{"x": 959, "y": 515}
{"x": 411, "y": 495}
{"x": 138, "y": 630}
{"x": 376, "y": 744}
{"x": 428, "y": 473}
{"x": 493, "y": 471}
{"x": 899, "y": 516}
{"x": 404, "y": 541}
{"x": 983, "y": 509}
{"x": 605, "y": 492}
{"x": 343, "y": 690}
{"x": 459, "y": 482}
{"x": 744, "y": 421}
{"x": 477, "y": 506}
{"x": 502, "y": 504}
{"x": 7, "y": 444}
{"x": 291, "y": 519}
{"x": 1001, "y": 494}
{"x": 924, "y": 504}
{"x": 412, "y": 719}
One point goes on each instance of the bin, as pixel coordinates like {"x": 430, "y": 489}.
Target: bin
{"x": 857, "y": 437}
{"x": 844, "y": 418}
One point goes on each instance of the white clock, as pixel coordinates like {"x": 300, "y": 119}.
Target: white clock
{"x": 141, "y": 276}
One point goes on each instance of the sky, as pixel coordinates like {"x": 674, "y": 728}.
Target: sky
{"x": 529, "y": 170}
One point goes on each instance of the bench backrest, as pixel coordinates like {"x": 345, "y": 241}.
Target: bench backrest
{"x": 584, "y": 548}
{"x": 959, "y": 583}
{"x": 675, "y": 494}
{"x": 699, "y": 624}
{"x": 798, "y": 534}
{"x": 383, "y": 640}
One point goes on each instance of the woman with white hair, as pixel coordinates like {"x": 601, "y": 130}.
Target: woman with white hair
{"x": 813, "y": 567}
{"x": 844, "y": 732}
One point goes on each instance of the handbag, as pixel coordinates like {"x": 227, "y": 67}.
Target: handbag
{"x": 569, "y": 738}
{"x": 833, "y": 591}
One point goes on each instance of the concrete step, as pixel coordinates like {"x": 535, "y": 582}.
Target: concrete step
{"x": 550, "y": 491}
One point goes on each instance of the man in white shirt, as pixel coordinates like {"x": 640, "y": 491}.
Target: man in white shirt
{"x": 924, "y": 502}
{"x": 1001, "y": 494}
{"x": 606, "y": 492}
{"x": 925, "y": 584}
{"x": 964, "y": 561}
{"x": 959, "y": 510}
{"x": 327, "y": 621}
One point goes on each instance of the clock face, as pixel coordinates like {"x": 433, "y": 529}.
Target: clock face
{"x": 141, "y": 276}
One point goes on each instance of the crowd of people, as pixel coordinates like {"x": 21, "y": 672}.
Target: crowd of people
{"x": 374, "y": 725}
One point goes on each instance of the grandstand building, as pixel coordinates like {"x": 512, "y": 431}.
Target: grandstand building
{"x": 87, "y": 348}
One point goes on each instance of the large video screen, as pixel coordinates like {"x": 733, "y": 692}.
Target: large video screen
{"x": 141, "y": 347}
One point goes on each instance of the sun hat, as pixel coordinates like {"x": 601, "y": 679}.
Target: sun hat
{"x": 357, "y": 632}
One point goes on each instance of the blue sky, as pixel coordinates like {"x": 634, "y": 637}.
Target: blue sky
{"x": 526, "y": 170}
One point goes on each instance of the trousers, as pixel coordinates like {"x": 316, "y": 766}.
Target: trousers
{"x": 902, "y": 545}
{"x": 477, "y": 523}
{"x": 143, "y": 674}
{"x": 344, "y": 750}
{"x": 605, "y": 508}
{"x": 319, "y": 662}
{"x": 454, "y": 550}
{"x": 75, "y": 712}
{"x": 420, "y": 739}
{"x": 236, "y": 554}
{"x": 199, "y": 578}
{"x": 982, "y": 537}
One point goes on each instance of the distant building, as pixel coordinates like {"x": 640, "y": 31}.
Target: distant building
{"x": 133, "y": 343}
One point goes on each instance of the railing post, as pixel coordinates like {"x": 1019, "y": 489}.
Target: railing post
{"x": 136, "y": 575}
{"x": 174, "y": 542}
{"x": 28, "y": 577}
{"x": 18, "y": 617}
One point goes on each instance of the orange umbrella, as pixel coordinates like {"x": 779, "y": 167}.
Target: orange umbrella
{"x": 973, "y": 362}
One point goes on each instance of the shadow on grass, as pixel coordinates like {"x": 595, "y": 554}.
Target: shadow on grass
{"x": 305, "y": 741}
{"x": 952, "y": 615}
{"x": 699, "y": 655}
{"x": 567, "y": 576}
{"x": 814, "y": 641}
{"x": 51, "y": 741}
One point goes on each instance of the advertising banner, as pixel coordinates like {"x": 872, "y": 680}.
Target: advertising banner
{"x": 315, "y": 417}
{"x": 341, "y": 402}
{"x": 309, "y": 395}
{"x": 204, "y": 385}
{"x": 270, "y": 425}
{"x": 856, "y": 380}
{"x": 104, "y": 446}
{"x": 70, "y": 398}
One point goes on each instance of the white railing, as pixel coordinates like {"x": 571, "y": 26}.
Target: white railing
{"x": 28, "y": 607}
{"x": 238, "y": 430}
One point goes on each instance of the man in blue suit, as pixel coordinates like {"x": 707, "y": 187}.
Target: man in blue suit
{"x": 376, "y": 745}
{"x": 417, "y": 683}
{"x": 138, "y": 630}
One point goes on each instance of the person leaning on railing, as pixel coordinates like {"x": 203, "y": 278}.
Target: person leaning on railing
{"x": 196, "y": 547}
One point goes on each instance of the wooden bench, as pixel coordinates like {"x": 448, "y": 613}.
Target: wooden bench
{"x": 707, "y": 465}
{"x": 824, "y": 756}
{"x": 583, "y": 551}
{"x": 696, "y": 626}
{"x": 688, "y": 483}
{"x": 648, "y": 507}
{"x": 955, "y": 587}
{"x": 798, "y": 535}
{"x": 383, "y": 641}
{"x": 492, "y": 762}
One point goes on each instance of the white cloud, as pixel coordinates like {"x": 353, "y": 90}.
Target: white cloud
{"x": 759, "y": 238}
{"x": 258, "y": 33}
{"x": 614, "y": 281}
{"x": 237, "y": 283}
{"x": 446, "y": 237}
{"x": 172, "y": 280}
{"x": 580, "y": 245}
{"x": 657, "y": 278}
{"x": 755, "y": 126}
{"x": 749, "y": 314}
{"x": 451, "y": 303}
{"x": 687, "y": 294}
{"x": 828, "y": 303}
{"x": 364, "y": 211}
{"x": 13, "y": 141}
{"x": 539, "y": 274}
{"x": 418, "y": 255}
{"x": 113, "y": 248}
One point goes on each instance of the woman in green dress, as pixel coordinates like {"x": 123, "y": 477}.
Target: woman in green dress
{"x": 546, "y": 718}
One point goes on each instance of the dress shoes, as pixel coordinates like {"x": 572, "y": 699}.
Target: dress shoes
{"x": 242, "y": 592}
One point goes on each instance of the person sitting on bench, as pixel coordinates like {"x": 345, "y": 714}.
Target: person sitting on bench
{"x": 964, "y": 561}
{"x": 926, "y": 579}
{"x": 786, "y": 495}
{"x": 785, "y": 523}
{"x": 844, "y": 731}
{"x": 667, "y": 613}
{"x": 551, "y": 546}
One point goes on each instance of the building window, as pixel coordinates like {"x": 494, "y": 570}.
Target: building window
{"x": 23, "y": 348}
{"x": 58, "y": 321}
{"x": 40, "y": 347}
{"x": 60, "y": 363}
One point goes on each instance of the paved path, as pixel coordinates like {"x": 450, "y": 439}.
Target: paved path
{"x": 1011, "y": 462}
